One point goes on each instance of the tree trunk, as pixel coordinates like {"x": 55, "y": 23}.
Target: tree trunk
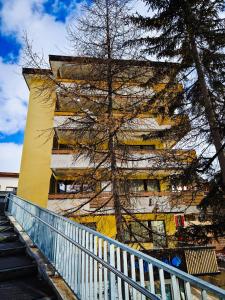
{"x": 111, "y": 145}
{"x": 209, "y": 111}
{"x": 206, "y": 103}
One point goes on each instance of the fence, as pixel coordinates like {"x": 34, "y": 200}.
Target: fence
{"x": 98, "y": 267}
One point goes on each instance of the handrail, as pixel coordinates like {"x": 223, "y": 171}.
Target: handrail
{"x": 102, "y": 262}
{"x": 119, "y": 272}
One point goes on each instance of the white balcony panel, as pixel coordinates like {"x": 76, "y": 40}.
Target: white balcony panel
{"x": 68, "y": 161}
{"x": 137, "y": 124}
{"x": 58, "y": 206}
{"x": 150, "y": 203}
{"x": 64, "y": 161}
{"x": 128, "y": 91}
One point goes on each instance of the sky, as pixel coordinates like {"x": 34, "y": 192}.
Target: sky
{"x": 44, "y": 22}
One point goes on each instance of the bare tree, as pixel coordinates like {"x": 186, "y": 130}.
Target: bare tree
{"x": 114, "y": 95}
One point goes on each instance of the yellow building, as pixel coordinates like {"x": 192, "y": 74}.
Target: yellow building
{"x": 48, "y": 171}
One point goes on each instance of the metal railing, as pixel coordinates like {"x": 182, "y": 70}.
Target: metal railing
{"x": 98, "y": 267}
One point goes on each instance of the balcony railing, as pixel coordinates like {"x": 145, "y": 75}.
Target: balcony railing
{"x": 175, "y": 202}
{"x": 98, "y": 267}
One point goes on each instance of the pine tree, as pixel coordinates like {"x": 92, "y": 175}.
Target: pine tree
{"x": 192, "y": 33}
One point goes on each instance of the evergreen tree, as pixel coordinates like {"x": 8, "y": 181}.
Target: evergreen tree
{"x": 192, "y": 33}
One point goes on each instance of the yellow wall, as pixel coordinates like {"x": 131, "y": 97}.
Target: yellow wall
{"x": 106, "y": 224}
{"x": 36, "y": 157}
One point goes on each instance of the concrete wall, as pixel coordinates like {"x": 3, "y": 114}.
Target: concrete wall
{"x": 35, "y": 170}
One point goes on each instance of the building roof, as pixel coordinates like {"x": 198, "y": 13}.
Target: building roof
{"x": 9, "y": 174}
{"x": 86, "y": 59}
{"x": 56, "y": 61}
{"x": 27, "y": 72}
{"x": 34, "y": 71}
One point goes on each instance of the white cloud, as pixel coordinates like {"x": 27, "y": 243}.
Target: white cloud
{"x": 48, "y": 36}
{"x": 10, "y": 157}
{"x": 20, "y": 16}
{"x": 13, "y": 98}
{"x": 140, "y": 7}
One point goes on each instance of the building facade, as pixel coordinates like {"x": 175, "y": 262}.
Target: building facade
{"x": 9, "y": 181}
{"x": 49, "y": 172}
{"x": 8, "y": 184}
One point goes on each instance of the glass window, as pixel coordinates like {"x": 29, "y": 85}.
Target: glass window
{"x": 11, "y": 189}
{"x": 190, "y": 217}
{"x": 158, "y": 234}
{"x": 137, "y": 186}
{"x": 74, "y": 187}
{"x": 144, "y": 185}
{"x": 152, "y": 185}
{"x": 146, "y": 231}
{"x": 61, "y": 187}
{"x": 138, "y": 232}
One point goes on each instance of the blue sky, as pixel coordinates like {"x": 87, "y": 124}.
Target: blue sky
{"x": 45, "y": 23}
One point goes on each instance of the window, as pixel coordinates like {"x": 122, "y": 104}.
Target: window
{"x": 158, "y": 234}
{"x": 146, "y": 231}
{"x": 74, "y": 187}
{"x": 144, "y": 185}
{"x": 58, "y": 146}
{"x": 136, "y": 232}
{"x": 11, "y": 189}
{"x": 190, "y": 217}
{"x": 61, "y": 187}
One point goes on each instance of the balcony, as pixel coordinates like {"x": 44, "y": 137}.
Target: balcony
{"x": 155, "y": 160}
{"x": 143, "y": 202}
{"x": 78, "y": 102}
{"x": 137, "y": 124}
{"x": 65, "y": 127}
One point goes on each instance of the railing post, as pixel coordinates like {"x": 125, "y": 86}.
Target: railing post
{"x": 175, "y": 287}
{"x": 83, "y": 294}
{"x": 125, "y": 271}
{"x": 105, "y": 271}
{"x": 188, "y": 293}
{"x": 91, "y": 268}
{"x": 95, "y": 268}
{"x": 162, "y": 284}
{"x": 112, "y": 276}
{"x": 151, "y": 278}
{"x": 100, "y": 268}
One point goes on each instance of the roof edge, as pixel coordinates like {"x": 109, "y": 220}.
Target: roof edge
{"x": 33, "y": 71}
{"x": 9, "y": 174}
{"x": 88, "y": 59}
